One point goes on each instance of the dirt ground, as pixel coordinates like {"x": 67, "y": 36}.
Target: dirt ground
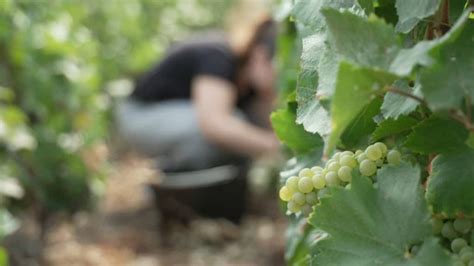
{"x": 124, "y": 230}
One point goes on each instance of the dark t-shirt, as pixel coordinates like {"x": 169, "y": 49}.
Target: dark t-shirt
{"x": 172, "y": 77}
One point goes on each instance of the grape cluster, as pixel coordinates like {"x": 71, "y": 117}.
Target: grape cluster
{"x": 303, "y": 191}
{"x": 457, "y": 235}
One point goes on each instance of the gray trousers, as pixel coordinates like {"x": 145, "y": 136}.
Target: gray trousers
{"x": 169, "y": 132}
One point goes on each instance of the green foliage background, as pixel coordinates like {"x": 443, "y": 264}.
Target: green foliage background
{"x": 62, "y": 62}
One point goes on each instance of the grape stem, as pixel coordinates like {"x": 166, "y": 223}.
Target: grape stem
{"x": 459, "y": 115}
{"x": 406, "y": 94}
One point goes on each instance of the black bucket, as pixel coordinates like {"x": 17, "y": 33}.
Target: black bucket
{"x": 218, "y": 192}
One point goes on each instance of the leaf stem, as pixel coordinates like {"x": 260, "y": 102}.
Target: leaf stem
{"x": 406, "y": 94}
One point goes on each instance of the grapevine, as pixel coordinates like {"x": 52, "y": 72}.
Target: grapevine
{"x": 381, "y": 121}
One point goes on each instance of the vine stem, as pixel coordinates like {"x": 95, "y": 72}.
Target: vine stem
{"x": 406, "y": 94}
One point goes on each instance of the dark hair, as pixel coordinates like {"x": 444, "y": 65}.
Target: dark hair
{"x": 265, "y": 34}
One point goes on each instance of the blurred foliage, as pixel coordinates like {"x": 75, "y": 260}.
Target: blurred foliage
{"x": 61, "y": 64}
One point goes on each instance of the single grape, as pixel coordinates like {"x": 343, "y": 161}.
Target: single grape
{"x": 348, "y": 186}
{"x": 373, "y": 153}
{"x": 292, "y": 184}
{"x": 334, "y": 166}
{"x": 311, "y": 198}
{"x": 463, "y": 226}
{"x": 448, "y": 230}
{"x": 344, "y": 173}
{"x": 361, "y": 157}
{"x": 306, "y": 172}
{"x": 367, "y": 168}
{"x": 323, "y": 193}
{"x": 294, "y": 207}
{"x": 285, "y": 194}
{"x": 324, "y": 172}
{"x": 358, "y": 152}
{"x": 318, "y": 181}
{"x": 382, "y": 147}
{"x": 457, "y": 244}
{"x": 347, "y": 153}
{"x": 299, "y": 198}
{"x": 317, "y": 169}
{"x": 466, "y": 249}
{"x": 437, "y": 226}
{"x": 331, "y": 179}
{"x": 305, "y": 184}
{"x": 330, "y": 161}
{"x": 467, "y": 256}
{"x": 336, "y": 156}
{"x": 348, "y": 160}
{"x": 306, "y": 210}
{"x": 394, "y": 157}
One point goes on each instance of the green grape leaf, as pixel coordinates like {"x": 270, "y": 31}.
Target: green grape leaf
{"x": 450, "y": 78}
{"x": 411, "y": 12}
{"x": 395, "y": 105}
{"x": 367, "y": 5}
{"x": 437, "y": 135}
{"x": 327, "y": 69}
{"x": 292, "y": 134}
{"x": 390, "y": 127}
{"x": 308, "y": 11}
{"x": 355, "y": 88}
{"x": 451, "y": 183}
{"x": 358, "y": 132}
{"x": 367, "y": 42}
{"x": 300, "y": 238}
{"x": 369, "y": 226}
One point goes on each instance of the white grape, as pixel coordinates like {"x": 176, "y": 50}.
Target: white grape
{"x": 317, "y": 169}
{"x": 349, "y": 153}
{"x": 285, "y": 193}
{"x": 437, "y": 226}
{"x": 305, "y": 184}
{"x": 358, "y": 152}
{"x": 348, "y": 160}
{"x": 344, "y": 173}
{"x": 367, "y": 167}
{"x": 292, "y": 183}
{"x": 334, "y": 166}
{"x": 318, "y": 181}
{"x": 382, "y": 147}
{"x": 467, "y": 256}
{"x": 311, "y": 198}
{"x": 373, "y": 153}
{"x": 394, "y": 157}
{"x": 448, "y": 230}
{"x": 361, "y": 157}
{"x": 306, "y": 172}
{"x": 457, "y": 244}
{"x": 323, "y": 192}
{"x": 332, "y": 179}
{"x": 293, "y": 206}
{"x": 463, "y": 226}
{"x": 299, "y": 198}
{"x": 336, "y": 156}
{"x": 306, "y": 210}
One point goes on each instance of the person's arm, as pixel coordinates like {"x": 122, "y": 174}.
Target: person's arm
{"x": 214, "y": 99}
